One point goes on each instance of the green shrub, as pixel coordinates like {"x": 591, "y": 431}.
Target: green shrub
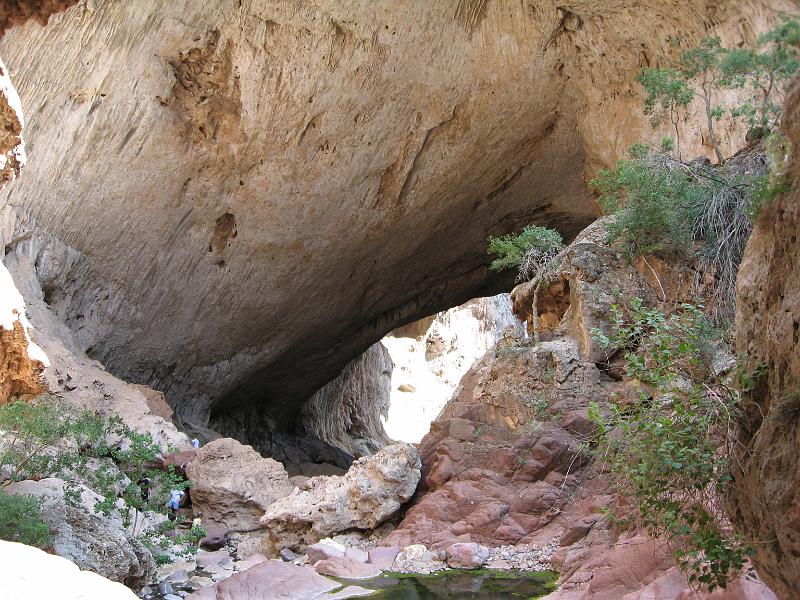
{"x": 529, "y": 251}
{"x": 654, "y": 203}
{"x": 47, "y": 438}
{"x": 21, "y": 521}
{"x": 668, "y": 451}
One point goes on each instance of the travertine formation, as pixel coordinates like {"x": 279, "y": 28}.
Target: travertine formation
{"x": 766, "y": 499}
{"x": 233, "y": 199}
{"x": 372, "y": 491}
{"x": 232, "y": 485}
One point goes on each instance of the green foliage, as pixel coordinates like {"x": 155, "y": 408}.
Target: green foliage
{"x": 655, "y": 205}
{"x": 21, "y": 521}
{"x": 775, "y": 182}
{"x": 763, "y": 72}
{"x": 667, "y": 93}
{"x": 704, "y": 70}
{"x": 668, "y": 450}
{"x": 530, "y": 250}
{"x": 47, "y": 438}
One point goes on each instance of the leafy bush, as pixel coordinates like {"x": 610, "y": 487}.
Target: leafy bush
{"x": 668, "y": 449}
{"x": 21, "y": 521}
{"x": 47, "y": 438}
{"x": 655, "y": 204}
{"x": 690, "y": 211}
{"x": 528, "y": 250}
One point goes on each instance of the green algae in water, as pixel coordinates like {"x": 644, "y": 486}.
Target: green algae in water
{"x": 459, "y": 585}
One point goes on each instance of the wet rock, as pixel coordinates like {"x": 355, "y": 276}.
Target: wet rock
{"x": 346, "y": 568}
{"x": 232, "y": 485}
{"x": 466, "y": 555}
{"x": 351, "y": 591}
{"x": 165, "y": 587}
{"x": 372, "y": 491}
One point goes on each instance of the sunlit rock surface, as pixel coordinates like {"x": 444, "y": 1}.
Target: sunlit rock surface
{"x": 231, "y": 200}
{"x": 430, "y": 357}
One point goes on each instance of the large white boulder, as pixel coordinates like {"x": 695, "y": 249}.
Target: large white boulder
{"x": 32, "y": 574}
{"x": 232, "y": 484}
{"x": 372, "y": 491}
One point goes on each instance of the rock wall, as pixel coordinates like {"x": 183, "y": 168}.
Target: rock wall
{"x": 347, "y": 411}
{"x": 21, "y": 361}
{"x": 241, "y": 196}
{"x": 431, "y": 356}
{"x": 505, "y": 463}
{"x": 765, "y": 502}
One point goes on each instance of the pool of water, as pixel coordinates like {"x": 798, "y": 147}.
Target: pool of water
{"x": 461, "y": 585}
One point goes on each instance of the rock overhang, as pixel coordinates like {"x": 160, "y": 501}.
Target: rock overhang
{"x": 248, "y": 198}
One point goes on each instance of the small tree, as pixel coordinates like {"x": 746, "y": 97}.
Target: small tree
{"x": 667, "y": 94}
{"x": 531, "y": 252}
{"x": 702, "y": 66}
{"x": 765, "y": 71}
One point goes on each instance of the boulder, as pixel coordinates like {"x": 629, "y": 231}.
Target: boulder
{"x": 179, "y": 461}
{"x": 89, "y": 540}
{"x": 216, "y": 537}
{"x": 32, "y": 574}
{"x": 372, "y": 491}
{"x": 232, "y": 485}
{"x": 323, "y": 551}
{"x": 467, "y": 555}
{"x": 269, "y": 579}
{"x": 340, "y": 566}
{"x": 383, "y": 556}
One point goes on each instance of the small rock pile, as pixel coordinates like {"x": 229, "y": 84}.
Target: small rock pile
{"x": 522, "y": 557}
{"x": 180, "y": 579}
{"x": 468, "y": 555}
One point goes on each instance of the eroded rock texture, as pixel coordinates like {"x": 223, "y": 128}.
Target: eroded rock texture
{"x": 232, "y": 485}
{"x": 346, "y": 412}
{"x": 372, "y": 491}
{"x": 766, "y": 499}
{"x": 237, "y": 197}
{"x": 505, "y": 461}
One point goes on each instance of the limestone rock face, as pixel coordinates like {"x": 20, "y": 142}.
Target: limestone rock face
{"x": 588, "y": 277}
{"x": 232, "y": 485}
{"x": 347, "y": 411}
{"x": 89, "y": 540}
{"x": 765, "y": 501}
{"x": 205, "y": 168}
{"x": 431, "y": 356}
{"x": 371, "y": 492}
{"x": 30, "y": 573}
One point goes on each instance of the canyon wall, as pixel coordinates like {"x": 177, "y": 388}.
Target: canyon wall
{"x": 233, "y": 198}
{"x": 765, "y": 501}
